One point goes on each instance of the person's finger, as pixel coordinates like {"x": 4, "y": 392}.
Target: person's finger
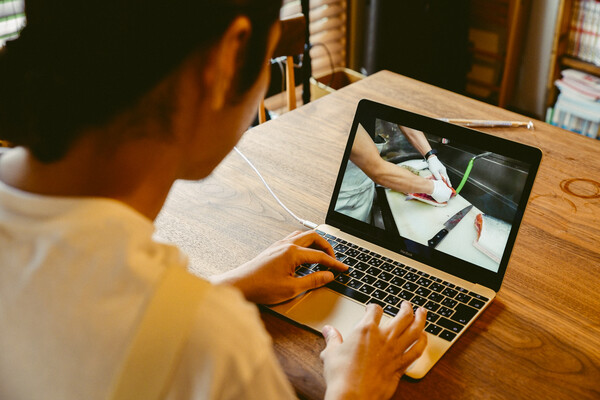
{"x": 313, "y": 280}
{"x": 311, "y": 256}
{"x": 372, "y": 315}
{"x": 415, "y": 351}
{"x": 436, "y": 175}
{"x": 312, "y": 239}
{"x": 446, "y": 179}
{"x": 402, "y": 320}
{"x": 333, "y": 338}
{"x": 414, "y": 330}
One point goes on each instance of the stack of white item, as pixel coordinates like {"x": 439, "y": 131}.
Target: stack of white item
{"x": 578, "y": 105}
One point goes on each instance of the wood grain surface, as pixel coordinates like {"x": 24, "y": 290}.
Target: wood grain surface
{"x": 540, "y": 338}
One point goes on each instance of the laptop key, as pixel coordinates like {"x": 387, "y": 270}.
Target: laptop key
{"x": 375, "y": 262}
{"x": 373, "y": 271}
{"x": 445, "y": 312}
{"x": 302, "y": 271}
{"x": 340, "y": 256}
{"x": 386, "y": 276}
{"x": 447, "y": 335}
{"x": 436, "y": 297}
{"x": 399, "y": 272}
{"x": 354, "y": 284}
{"x": 424, "y": 282}
{"x": 406, "y": 295}
{"x": 379, "y": 294}
{"x": 431, "y": 306}
{"x": 350, "y": 261}
{"x": 356, "y": 274}
{"x": 431, "y": 317}
{"x": 378, "y": 302}
{"x": 418, "y": 300}
{"x": 386, "y": 266}
{"x": 363, "y": 257}
{"x": 450, "y": 325}
{"x": 411, "y": 277}
{"x": 352, "y": 252}
{"x": 476, "y": 303}
{"x": 341, "y": 248}
{"x": 463, "y": 314}
{"x": 368, "y": 279}
{"x": 421, "y": 291}
{"x": 410, "y": 286}
{"x": 433, "y": 329}
{"x": 393, "y": 289}
{"x": 436, "y": 287}
{"x": 393, "y": 300}
{"x": 449, "y": 303}
{"x": 366, "y": 289}
{"x": 391, "y": 310}
{"x": 349, "y": 292}
{"x": 379, "y": 284}
{"x": 478, "y": 296}
{"x": 449, "y": 292}
{"x": 361, "y": 266}
{"x": 397, "y": 281}
{"x": 463, "y": 298}
{"x": 342, "y": 278}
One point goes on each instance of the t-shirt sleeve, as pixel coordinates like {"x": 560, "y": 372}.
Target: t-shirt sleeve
{"x": 228, "y": 355}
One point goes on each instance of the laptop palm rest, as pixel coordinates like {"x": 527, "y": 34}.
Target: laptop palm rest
{"x": 324, "y": 307}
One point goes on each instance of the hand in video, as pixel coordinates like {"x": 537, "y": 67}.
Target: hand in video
{"x": 369, "y": 363}
{"x": 441, "y": 191}
{"x": 438, "y": 170}
{"x": 269, "y": 277}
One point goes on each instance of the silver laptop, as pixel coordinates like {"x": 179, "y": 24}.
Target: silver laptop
{"x": 448, "y": 257}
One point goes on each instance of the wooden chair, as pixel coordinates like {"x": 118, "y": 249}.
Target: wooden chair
{"x": 291, "y": 43}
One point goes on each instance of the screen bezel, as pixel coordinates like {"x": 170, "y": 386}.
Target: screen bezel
{"x": 366, "y": 113}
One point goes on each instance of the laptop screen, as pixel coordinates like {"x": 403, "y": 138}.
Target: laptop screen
{"x": 458, "y": 212}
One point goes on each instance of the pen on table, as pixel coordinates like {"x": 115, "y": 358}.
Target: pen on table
{"x": 488, "y": 123}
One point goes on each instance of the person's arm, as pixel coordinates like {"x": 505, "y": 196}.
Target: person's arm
{"x": 419, "y": 142}
{"x": 369, "y": 363}
{"x": 417, "y": 139}
{"x": 269, "y": 277}
{"x": 366, "y": 156}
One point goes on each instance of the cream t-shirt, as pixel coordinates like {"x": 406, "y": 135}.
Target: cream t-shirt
{"x": 76, "y": 275}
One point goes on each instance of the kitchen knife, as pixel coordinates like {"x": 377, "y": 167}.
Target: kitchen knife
{"x": 448, "y": 226}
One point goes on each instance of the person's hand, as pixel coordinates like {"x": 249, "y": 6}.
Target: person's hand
{"x": 438, "y": 170}
{"x": 269, "y": 277}
{"x": 441, "y": 192}
{"x": 369, "y": 363}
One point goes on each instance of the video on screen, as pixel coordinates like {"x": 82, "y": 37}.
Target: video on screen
{"x": 459, "y": 200}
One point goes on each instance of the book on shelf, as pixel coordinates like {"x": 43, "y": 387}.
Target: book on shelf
{"x": 584, "y": 31}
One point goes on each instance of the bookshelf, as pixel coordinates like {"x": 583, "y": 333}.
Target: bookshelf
{"x": 560, "y": 57}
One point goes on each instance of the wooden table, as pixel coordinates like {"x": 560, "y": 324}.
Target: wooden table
{"x": 540, "y": 339}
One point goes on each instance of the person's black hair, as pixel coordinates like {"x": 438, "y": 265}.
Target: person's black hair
{"x": 77, "y": 64}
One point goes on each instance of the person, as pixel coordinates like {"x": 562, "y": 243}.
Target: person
{"x": 107, "y": 104}
{"x": 366, "y": 168}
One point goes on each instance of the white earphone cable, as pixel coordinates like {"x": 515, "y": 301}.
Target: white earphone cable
{"x": 306, "y": 223}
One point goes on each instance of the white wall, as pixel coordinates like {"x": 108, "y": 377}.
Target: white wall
{"x": 530, "y": 91}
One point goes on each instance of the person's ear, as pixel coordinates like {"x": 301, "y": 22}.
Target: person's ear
{"x": 221, "y": 71}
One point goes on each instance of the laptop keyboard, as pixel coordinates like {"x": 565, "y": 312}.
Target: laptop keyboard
{"x": 373, "y": 278}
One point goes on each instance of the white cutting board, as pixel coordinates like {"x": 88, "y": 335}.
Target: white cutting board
{"x": 420, "y": 222}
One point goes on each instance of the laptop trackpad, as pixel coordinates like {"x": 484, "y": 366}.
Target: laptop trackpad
{"x": 324, "y": 307}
